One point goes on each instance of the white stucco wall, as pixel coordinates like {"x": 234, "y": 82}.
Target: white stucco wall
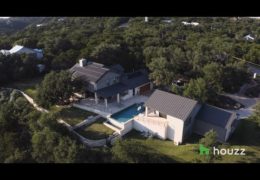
{"x": 137, "y": 90}
{"x": 153, "y": 127}
{"x": 128, "y": 95}
{"x": 128, "y": 126}
{"x": 157, "y": 113}
{"x": 175, "y": 129}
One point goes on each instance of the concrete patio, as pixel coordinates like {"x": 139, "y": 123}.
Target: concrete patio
{"x": 89, "y": 104}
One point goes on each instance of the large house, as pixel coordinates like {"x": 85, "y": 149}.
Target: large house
{"x": 249, "y": 38}
{"x": 182, "y": 116}
{"x": 17, "y": 49}
{"x": 164, "y": 114}
{"x": 110, "y": 83}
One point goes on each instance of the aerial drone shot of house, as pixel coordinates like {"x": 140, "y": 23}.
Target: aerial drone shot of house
{"x": 129, "y": 101}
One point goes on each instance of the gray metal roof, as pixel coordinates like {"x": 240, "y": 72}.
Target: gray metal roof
{"x": 112, "y": 90}
{"x": 135, "y": 79}
{"x": 117, "y": 68}
{"x": 91, "y": 72}
{"x": 214, "y": 115}
{"x": 128, "y": 81}
{"x": 171, "y": 104}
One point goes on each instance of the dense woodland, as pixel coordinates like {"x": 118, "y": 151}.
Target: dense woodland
{"x": 29, "y": 136}
{"x": 203, "y": 54}
{"x": 168, "y": 50}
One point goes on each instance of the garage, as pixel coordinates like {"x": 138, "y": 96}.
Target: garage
{"x": 145, "y": 88}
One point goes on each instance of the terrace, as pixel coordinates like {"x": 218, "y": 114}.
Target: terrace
{"x": 96, "y": 130}
{"x": 89, "y": 104}
{"x": 73, "y": 115}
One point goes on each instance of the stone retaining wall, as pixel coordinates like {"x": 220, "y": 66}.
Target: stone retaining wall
{"x": 86, "y": 122}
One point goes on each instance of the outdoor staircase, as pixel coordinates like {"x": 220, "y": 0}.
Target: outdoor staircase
{"x": 112, "y": 126}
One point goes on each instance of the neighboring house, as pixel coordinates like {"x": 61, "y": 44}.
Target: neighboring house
{"x": 40, "y": 25}
{"x": 169, "y": 21}
{"x": 190, "y": 23}
{"x": 182, "y": 116}
{"x": 41, "y": 68}
{"x": 17, "y": 49}
{"x": 124, "y": 25}
{"x": 254, "y": 69}
{"x": 249, "y": 38}
{"x": 110, "y": 83}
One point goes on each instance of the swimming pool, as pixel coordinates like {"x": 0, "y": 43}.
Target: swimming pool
{"x": 128, "y": 113}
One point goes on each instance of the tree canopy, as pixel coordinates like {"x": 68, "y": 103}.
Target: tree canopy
{"x": 55, "y": 88}
{"x": 197, "y": 89}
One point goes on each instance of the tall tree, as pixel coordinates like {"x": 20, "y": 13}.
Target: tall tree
{"x": 161, "y": 72}
{"x": 256, "y": 114}
{"x": 197, "y": 89}
{"x": 213, "y": 73}
{"x": 56, "y": 87}
{"x": 209, "y": 139}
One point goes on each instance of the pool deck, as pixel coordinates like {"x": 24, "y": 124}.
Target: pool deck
{"x": 100, "y": 108}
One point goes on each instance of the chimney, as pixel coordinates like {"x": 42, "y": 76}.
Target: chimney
{"x": 82, "y": 62}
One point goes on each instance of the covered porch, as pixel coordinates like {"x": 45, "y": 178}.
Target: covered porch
{"x": 111, "y": 94}
{"x": 151, "y": 112}
{"x": 111, "y": 107}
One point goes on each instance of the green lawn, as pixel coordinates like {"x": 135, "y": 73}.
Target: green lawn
{"x": 247, "y": 136}
{"x": 55, "y": 108}
{"x": 182, "y": 153}
{"x": 72, "y": 115}
{"x": 96, "y": 131}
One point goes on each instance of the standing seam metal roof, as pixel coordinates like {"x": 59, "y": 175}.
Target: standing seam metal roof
{"x": 92, "y": 72}
{"x": 214, "y": 115}
{"x": 171, "y": 104}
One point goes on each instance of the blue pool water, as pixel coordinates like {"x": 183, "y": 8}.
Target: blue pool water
{"x": 128, "y": 113}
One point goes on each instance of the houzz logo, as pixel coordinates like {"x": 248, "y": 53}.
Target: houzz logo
{"x": 233, "y": 151}
{"x": 204, "y": 150}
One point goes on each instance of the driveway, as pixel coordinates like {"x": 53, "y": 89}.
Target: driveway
{"x": 249, "y": 104}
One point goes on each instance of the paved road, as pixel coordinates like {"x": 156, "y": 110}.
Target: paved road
{"x": 249, "y": 104}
